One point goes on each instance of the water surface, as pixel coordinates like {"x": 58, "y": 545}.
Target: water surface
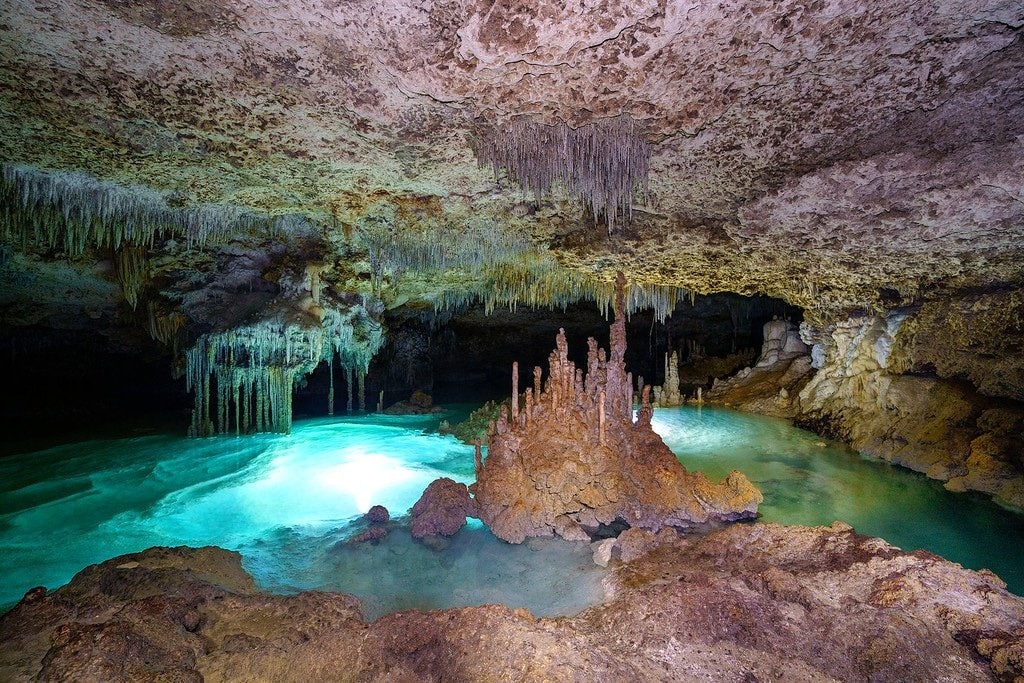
{"x": 812, "y": 481}
{"x": 289, "y": 502}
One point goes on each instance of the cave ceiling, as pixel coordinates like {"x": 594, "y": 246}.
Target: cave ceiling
{"x": 821, "y": 151}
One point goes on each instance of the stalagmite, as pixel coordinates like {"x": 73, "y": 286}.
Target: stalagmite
{"x": 348, "y": 388}
{"x": 608, "y": 467}
{"x": 380, "y": 402}
{"x": 515, "y": 391}
{"x": 361, "y": 378}
{"x": 330, "y": 389}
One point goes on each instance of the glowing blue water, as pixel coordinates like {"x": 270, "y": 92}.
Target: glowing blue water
{"x": 808, "y": 480}
{"x": 286, "y": 501}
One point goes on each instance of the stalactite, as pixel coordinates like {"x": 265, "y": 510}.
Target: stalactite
{"x": 253, "y": 367}
{"x": 131, "y": 268}
{"x": 71, "y": 211}
{"x": 164, "y": 327}
{"x": 602, "y": 163}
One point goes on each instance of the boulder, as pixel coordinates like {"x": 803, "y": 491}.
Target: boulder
{"x": 442, "y": 509}
{"x": 378, "y": 514}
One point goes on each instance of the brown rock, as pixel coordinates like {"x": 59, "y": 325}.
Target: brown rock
{"x": 748, "y": 602}
{"x": 442, "y": 509}
{"x": 575, "y": 459}
{"x": 378, "y": 514}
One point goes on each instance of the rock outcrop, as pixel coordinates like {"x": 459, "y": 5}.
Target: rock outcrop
{"x": 568, "y": 457}
{"x": 941, "y": 427}
{"x": 442, "y": 509}
{"x": 750, "y": 602}
{"x": 769, "y": 387}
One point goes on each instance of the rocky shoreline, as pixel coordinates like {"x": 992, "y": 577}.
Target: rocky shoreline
{"x": 751, "y": 602}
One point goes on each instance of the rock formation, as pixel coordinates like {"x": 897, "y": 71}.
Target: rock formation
{"x": 933, "y": 425}
{"x": 771, "y": 385}
{"x": 750, "y": 602}
{"x": 568, "y": 456}
{"x": 667, "y": 395}
{"x": 442, "y": 509}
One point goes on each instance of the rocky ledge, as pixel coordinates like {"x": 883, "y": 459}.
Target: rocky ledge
{"x": 752, "y": 602}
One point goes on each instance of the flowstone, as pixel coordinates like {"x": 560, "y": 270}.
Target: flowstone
{"x": 568, "y": 457}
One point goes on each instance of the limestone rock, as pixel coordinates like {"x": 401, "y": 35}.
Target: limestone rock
{"x": 419, "y": 403}
{"x": 442, "y": 509}
{"x": 603, "y": 551}
{"x": 933, "y": 425}
{"x": 574, "y": 459}
{"x": 770, "y": 386}
{"x": 757, "y": 601}
{"x": 374, "y": 533}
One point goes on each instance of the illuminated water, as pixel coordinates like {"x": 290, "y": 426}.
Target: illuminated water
{"x": 285, "y": 502}
{"x": 807, "y": 480}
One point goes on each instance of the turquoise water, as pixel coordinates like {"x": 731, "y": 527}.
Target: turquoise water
{"x": 288, "y": 502}
{"x": 808, "y": 480}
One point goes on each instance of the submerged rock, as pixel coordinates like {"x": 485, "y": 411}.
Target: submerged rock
{"x": 442, "y": 509}
{"x": 749, "y": 602}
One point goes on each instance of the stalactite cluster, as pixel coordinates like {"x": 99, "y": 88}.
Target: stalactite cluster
{"x": 165, "y": 326}
{"x": 397, "y": 246}
{"x": 602, "y": 163}
{"x": 71, "y": 211}
{"x": 242, "y": 378}
{"x": 131, "y": 268}
{"x": 538, "y": 281}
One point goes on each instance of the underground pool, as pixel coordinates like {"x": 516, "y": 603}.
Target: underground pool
{"x": 289, "y": 502}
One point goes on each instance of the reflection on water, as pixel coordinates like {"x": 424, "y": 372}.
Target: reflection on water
{"x": 808, "y": 480}
{"x": 285, "y": 502}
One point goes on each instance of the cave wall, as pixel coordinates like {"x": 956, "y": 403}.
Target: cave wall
{"x": 934, "y": 387}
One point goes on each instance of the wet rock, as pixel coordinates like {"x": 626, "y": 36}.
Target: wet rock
{"x": 442, "y": 509}
{"x": 375, "y": 533}
{"x": 748, "y": 602}
{"x": 932, "y": 425}
{"x": 378, "y": 514}
{"x": 771, "y": 385}
{"x": 603, "y": 551}
{"x": 420, "y": 403}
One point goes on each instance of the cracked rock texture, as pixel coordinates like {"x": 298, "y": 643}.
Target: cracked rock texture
{"x": 751, "y": 602}
{"x": 880, "y": 141}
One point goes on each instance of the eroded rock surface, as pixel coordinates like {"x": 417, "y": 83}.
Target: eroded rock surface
{"x": 771, "y": 385}
{"x": 573, "y": 459}
{"x": 442, "y": 509}
{"x": 935, "y": 425}
{"x": 750, "y": 602}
